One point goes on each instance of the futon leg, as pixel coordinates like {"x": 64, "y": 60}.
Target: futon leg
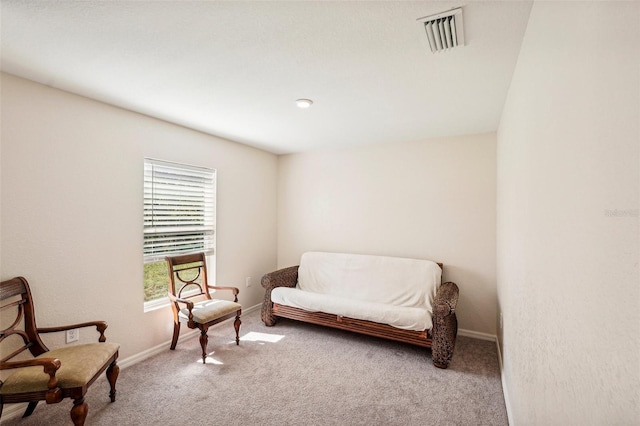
{"x": 29, "y": 411}
{"x": 176, "y": 334}
{"x": 269, "y": 320}
{"x": 445, "y": 330}
{"x": 112, "y": 376}
{"x": 236, "y": 324}
{"x": 267, "y": 312}
{"x": 79, "y": 412}
{"x": 442, "y": 351}
{"x": 204, "y": 339}
{"x": 445, "y": 324}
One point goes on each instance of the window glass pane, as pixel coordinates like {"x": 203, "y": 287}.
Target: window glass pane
{"x": 156, "y": 280}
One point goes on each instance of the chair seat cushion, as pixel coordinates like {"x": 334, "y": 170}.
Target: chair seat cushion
{"x": 78, "y": 365}
{"x": 209, "y": 310}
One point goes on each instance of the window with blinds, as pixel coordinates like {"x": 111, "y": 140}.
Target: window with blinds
{"x": 179, "y": 210}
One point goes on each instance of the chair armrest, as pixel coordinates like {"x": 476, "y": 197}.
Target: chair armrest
{"x": 234, "y": 290}
{"x": 287, "y": 277}
{"x": 176, "y": 299}
{"x": 101, "y": 326}
{"x": 50, "y": 366}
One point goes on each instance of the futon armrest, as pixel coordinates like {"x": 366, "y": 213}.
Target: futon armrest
{"x": 287, "y": 277}
{"x": 101, "y": 326}
{"x": 446, "y": 299}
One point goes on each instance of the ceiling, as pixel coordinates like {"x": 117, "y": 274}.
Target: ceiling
{"x": 234, "y": 69}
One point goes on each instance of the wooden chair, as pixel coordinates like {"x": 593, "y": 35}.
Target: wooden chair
{"x": 52, "y": 375}
{"x": 189, "y": 273}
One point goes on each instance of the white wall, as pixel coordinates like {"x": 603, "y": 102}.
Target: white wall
{"x": 72, "y": 172}
{"x": 432, "y": 200}
{"x": 568, "y": 231}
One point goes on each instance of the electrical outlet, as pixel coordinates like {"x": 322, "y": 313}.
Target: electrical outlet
{"x": 73, "y": 335}
{"x": 248, "y": 282}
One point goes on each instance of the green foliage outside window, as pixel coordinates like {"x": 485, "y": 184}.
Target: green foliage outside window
{"x": 156, "y": 280}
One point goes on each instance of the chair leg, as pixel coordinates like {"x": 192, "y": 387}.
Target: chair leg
{"x": 79, "y": 412}
{"x": 204, "y": 339}
{"x": 236, "y": 324}
{"x": 29, "y": 411}
{"x": 112, "y": 376}
{"x": 176, "y": 334}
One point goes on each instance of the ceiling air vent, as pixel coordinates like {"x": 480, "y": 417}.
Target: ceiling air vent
{"x": 444, "y": 30}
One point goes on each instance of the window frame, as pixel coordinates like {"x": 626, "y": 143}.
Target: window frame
{"x": 191, "y": 226}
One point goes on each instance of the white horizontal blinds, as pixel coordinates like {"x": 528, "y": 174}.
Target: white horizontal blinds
{"x": 179, "y": 209}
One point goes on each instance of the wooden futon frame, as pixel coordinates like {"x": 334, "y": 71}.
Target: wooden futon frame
{"x": 441, "y": 338}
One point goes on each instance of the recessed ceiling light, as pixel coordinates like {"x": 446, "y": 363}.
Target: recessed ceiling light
{"x": 304, "y": 103}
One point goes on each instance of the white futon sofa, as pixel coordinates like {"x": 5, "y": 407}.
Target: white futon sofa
{"x": 394, "y": 298}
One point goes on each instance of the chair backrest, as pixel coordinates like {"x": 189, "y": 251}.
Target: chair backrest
{"x": 188, "y": 276}
{"x": 15, "y": 296}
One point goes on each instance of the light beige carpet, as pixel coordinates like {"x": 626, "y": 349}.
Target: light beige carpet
{"x": 297, "y": 374}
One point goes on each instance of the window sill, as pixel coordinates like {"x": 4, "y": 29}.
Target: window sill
{"x": 154, "y": 305}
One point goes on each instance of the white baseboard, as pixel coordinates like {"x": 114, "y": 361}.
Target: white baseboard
{"x": 148, "y": 353}
{"x": 477, "y": 335}
{"x": 141, "y": 356}
{"x": 11, "y": 411}
{"x": 505, "y": 392}
{"x": 493, "y": 338}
